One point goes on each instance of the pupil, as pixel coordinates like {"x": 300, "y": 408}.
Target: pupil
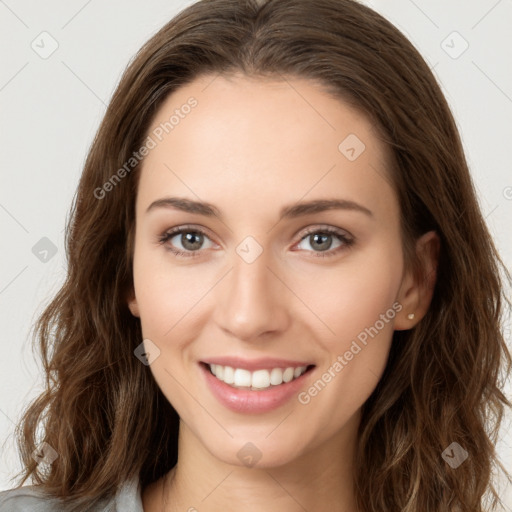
{"x": 191, "y": 241}
{"x": 323, "y": 245}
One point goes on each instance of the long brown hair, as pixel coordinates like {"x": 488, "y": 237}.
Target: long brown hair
{"x": 102, "y": 410}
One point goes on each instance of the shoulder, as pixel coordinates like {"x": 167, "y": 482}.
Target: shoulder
{"x": 33, "y": 499}
{"x": 28, "y": 498}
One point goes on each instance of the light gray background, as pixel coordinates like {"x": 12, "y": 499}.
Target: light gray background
{"x": 51, "y": 108}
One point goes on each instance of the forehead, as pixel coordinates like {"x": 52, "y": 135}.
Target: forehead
{"x": 265, "y": 139}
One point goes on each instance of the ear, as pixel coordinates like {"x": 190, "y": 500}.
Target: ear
{"x": 132, "y": 303}
{"x": 417, "y": 288}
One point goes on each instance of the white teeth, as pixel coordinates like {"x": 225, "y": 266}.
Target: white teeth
{"x": 229, "y": 375}
{"x": 241, "y": 378}
{"x": 259, "y": 379}
{"x": 287, "y": 374}
{"x": 276, "y": 376}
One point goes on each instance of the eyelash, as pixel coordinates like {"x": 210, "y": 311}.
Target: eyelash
{"x": 347, "y": 241}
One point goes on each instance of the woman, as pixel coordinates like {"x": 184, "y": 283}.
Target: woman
{"x": 281, "y": 292}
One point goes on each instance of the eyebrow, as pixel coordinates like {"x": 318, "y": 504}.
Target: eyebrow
{"x": 291, "y": 211}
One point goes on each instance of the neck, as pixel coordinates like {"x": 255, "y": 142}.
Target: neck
{"x": 320, "y": 480}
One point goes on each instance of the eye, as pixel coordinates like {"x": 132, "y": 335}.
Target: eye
{"x": 185, "y": 241}
{"x": 188, "y": 241}
{"x": 326, "y": 241}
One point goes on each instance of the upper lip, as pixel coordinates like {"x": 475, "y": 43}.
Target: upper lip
{"x": 255, "y": 364}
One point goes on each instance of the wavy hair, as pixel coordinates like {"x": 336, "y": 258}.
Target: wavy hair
{"x": 102, "y": 410}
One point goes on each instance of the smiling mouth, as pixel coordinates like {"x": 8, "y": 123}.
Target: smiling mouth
{"x": 258, "y": 380}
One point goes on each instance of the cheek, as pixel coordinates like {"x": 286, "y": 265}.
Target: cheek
{"x": 359, "y": 305}
{"x": 352, "y": 295}
{"x": 168, "y": 297}
{"x": 167, "y": 294}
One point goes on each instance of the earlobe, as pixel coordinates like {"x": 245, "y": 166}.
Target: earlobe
{"x": 134, "y": 308}
{"x": 417, "y": 288}
{"x": 133, "y": 305}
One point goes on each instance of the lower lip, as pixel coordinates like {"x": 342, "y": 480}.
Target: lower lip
{"x": 247, "y": 401}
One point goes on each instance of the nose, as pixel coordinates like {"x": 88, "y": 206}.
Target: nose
{"x": 252, "y": 302}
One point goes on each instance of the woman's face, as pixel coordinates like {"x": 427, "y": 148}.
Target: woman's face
{"x": 267, "y": 277}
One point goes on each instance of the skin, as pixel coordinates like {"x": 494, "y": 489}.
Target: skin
{"x": 251, "y": 147}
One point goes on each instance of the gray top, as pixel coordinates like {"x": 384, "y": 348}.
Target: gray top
{"x": 31, "y": 499}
